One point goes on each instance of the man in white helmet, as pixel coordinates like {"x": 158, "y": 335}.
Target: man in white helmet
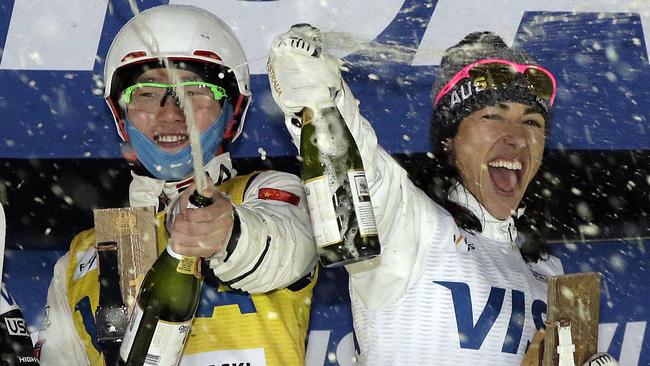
{"x": 167, "y": 64}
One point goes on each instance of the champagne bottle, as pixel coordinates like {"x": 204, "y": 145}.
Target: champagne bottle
{"x": 163, "y": 314}
{"x": 336, "y": 189}
{"x": 16, "y": 347}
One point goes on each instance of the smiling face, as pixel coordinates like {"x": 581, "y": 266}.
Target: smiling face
{"x": 497, "y": 151}
{"x": 166, "y": 126}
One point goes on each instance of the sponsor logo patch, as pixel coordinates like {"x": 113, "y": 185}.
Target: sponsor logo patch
{"x": 539, "y": 276}
{"x": 278, "y": 195}
{"x": 461, "y": 243}
{"x": 16, "y": 327}
{"x": 86, "y": 262}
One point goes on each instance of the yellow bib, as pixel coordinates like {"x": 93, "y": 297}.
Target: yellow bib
{"x": 269, "y": 328}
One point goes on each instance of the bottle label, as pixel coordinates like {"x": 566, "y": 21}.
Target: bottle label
{"x": 131, "y": 330}
{"x": 322, "y": 211}
{"x": 166, "y": 344}
{"x": 362, "y": 204}
{"x": 186, "y": 265}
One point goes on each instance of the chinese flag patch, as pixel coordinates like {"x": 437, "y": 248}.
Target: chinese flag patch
{"x": 278, "y": 195}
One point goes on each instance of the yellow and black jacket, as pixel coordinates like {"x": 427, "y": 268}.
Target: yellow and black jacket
{"x": 260, "y": 319}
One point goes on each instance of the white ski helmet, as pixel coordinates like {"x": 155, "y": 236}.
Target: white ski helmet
{"x": 178, "y": 33}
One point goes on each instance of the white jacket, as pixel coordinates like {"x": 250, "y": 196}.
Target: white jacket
{"x": 437, "y": 294}
{"x": 290, "y": 256}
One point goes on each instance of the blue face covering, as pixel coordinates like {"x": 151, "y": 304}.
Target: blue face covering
{"x": 178, "y": 165}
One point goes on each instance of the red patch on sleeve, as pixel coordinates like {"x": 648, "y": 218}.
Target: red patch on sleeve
{"x": 278, "y": 195}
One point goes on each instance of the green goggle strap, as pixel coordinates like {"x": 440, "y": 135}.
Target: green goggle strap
{"x": 217, "y": 92}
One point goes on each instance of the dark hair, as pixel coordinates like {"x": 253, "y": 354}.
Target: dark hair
{"x": 449, "y": 175}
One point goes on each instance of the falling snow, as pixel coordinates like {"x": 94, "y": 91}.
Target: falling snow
{"x": 62, "y": 157}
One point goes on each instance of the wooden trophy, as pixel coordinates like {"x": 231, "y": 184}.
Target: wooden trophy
{"x": 134, "y": 231}
{"x": 573, "y": 300}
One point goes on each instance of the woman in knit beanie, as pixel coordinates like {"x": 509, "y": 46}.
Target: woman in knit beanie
{"x": 451, "y": 286}
{"x": 451, "y": 108}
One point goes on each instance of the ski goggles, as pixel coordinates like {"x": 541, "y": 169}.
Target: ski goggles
{"x": 151, "y": 97}
{"x": 500, "y": 74}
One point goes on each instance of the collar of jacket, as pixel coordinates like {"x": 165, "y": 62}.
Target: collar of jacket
{"x": 145, "y": 191}
{"x": 493, "y": 228}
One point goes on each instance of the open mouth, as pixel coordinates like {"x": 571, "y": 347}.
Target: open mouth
{"x": 506, "y": 174}
{"x": 171, "y": 141}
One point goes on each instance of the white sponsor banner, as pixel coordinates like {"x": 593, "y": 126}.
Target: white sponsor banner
{"x": 53, "y": 34}
{"x": 632, "y": 341}
{"x": 248, "y": 357}
{"x": 318, "y": 353}
{"x": 40, "y": 32}
{"x": 453, "y": 19}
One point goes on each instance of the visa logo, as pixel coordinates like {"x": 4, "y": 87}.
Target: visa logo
{"x": 473, "y": 334}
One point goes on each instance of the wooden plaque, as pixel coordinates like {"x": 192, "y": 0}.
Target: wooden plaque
{"x": 576, "y": 298}
{"x": 134, "y": 231}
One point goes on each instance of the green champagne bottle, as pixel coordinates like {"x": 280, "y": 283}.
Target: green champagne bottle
{"x": 163, "y": 313}
{"x": 336, "y": 189}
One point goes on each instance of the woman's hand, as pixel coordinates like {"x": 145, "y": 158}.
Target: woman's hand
{"x": 533, "y": 356}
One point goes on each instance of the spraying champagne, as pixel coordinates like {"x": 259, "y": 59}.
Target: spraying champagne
{"x": 337, "y": 192}
{"x": 169, "y": 297}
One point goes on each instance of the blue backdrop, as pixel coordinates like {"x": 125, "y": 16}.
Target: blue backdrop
{"x": 51, "y": 66}
{"x": 600, "y": 59}
{"x": 624, "y": 313}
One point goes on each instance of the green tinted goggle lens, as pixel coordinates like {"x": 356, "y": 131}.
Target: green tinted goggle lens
{"x": 190, "y": 88}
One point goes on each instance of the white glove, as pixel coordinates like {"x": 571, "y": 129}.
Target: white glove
{"x": 301, "y": 75}
{"x": 601, "y": 359}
